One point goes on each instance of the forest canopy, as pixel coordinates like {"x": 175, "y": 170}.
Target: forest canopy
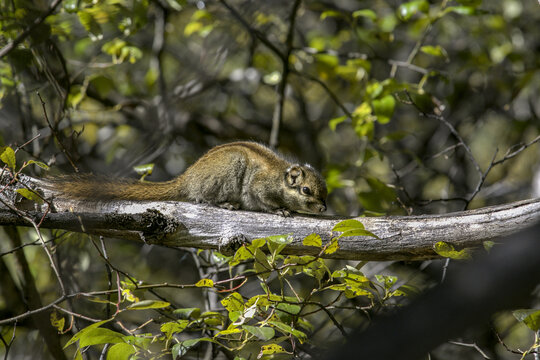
{"x": 407, "y": 108}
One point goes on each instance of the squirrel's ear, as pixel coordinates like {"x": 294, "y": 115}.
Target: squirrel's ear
{"x": 294, "y": 175}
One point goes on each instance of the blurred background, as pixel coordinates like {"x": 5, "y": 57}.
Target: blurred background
{"x": 406, "y": 108}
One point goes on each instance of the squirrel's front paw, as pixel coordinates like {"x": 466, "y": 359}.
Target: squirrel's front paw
{"x": 229, "y": 206}
{"x": 283, "y": 212}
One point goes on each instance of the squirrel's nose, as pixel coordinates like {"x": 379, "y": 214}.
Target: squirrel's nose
{"x": 322, "y": 208}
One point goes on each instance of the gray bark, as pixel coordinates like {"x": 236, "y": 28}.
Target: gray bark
{"x": 179, "y": 224}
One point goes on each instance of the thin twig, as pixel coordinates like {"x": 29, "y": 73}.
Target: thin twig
{"x": 277, "y": 117}
{"x": 55, "y": 134}
{"x": 473, "y": 345}
{"x": 254, "y": 32}
{"x": 59, "y": 308}
{"x": 325, "y": 87}
{"x": 7, "y": 345}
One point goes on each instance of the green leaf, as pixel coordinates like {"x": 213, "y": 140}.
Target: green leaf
{"x": 121, "y": 351}
{"x": 7, "y": 155}
{"x": 271, "y": 350}
{"x": 83, "y": 332}
{"x": 331, "y": 13}
{"x": 333, "y": 123}
{"x": 148, "y": 304}
{"x": 286, "y": 309}
{"x": 278, "y": 242}
{"x": 205, "y": 283}
{"x": 100, "y": 336}
{"x": 264, "y": 333}
{"x": 90, "y": 24}
{"x": 409, "y": 9}
{"x": 186, "y": 313}
{"x": 182, "y": 348}
{"x": 144, "y": 169}
{"x": 57, "y": 322}
{"x": 386, "y": 280}
{"x": 352, "y": 227}
{"x": 312, "y": 240}
{"x": 488, "y": 245}
{"x": 357, "y": 232}
{"x": 233, "y": 302}
{"x": 447, "y": 250}
{"x": 231, "y": 331}
{"x": 30, "y": 195}
{"x": 434, "y": 50}
{"x": 173, "y": 327}
{"x": 370, "y": 14}
{"x": 384, "y": 108}
{"x": 262, "y": 266}
{"x": 38, "y": 163}
{"x": 317, "y": 268}
{"x": 346, "y": 225}
{"x": 288, "y": 330}
{"x": 333, "y": 247}
{"x": 241, "y": 254}
{"x": 530, "y": 317}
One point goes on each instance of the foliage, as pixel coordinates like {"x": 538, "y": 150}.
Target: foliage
{"x": 408, "y": 107}
{"x": 267, "y": 322}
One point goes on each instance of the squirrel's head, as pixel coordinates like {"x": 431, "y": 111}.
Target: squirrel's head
{"x": 305, "y": 189}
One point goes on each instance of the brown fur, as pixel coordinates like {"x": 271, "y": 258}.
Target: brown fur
{"x": 239, "y": 175}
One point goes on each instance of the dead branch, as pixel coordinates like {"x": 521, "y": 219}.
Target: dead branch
{"x": 179, "y": 224}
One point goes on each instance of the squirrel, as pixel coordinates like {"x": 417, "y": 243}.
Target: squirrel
{"x": 238, "y": 175}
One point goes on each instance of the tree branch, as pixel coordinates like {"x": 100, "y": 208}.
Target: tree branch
{"x": 180, "y": 224}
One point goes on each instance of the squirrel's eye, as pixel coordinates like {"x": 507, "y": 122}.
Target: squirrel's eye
{"x": 306, "y": 190}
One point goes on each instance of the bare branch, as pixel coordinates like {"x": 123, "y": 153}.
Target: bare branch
{"x": 277, "y": 117}
{"x": 179, "y": 224}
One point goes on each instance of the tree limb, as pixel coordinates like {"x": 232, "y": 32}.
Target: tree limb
{"x": 180, "y": 224}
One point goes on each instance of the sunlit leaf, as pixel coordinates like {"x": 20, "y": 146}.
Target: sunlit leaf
{"x": 333, "y": 247}
{"x": 447, "y": 250}
{"x": 148, "y": 304}
{"x": 409, "y": 9}
{"x": 30, "y": 195}
{"x": 7, "y": 155}
{"x": 434, "y": 50}
{"x": 57, "y": 321}
{"x": 271, "y": 350}
{"x": 205, "y": 283}
{"x": 173, "y": 327}
{"x": 312, "y": 240}
{"x": 330, "y": 13}
{"x": 530, "y": 317}
{"x": 370, "y": 14}
{"x": 121, "y": 351}
{"x": 384, "y": 108}
{"x": 233, "y": 302}
{"x": 100, "y": 336}
{"x": 84, "y": 331}
{"x": 333, "y": 123}
{"x": 461, "y": 10}
{"x": 38, "y": 163}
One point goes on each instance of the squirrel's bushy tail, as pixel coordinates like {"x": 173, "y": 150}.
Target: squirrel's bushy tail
{"x": 91, "y": 187}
